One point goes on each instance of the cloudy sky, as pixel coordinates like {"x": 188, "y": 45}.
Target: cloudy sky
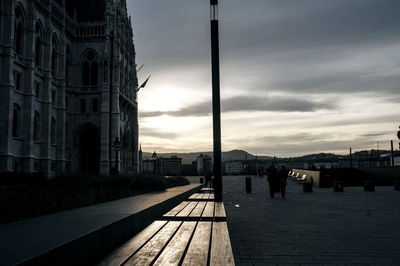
{"x": 297, "y": 76}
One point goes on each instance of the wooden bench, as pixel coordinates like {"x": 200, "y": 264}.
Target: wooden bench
{"x": 201, "y": 196}
{"x": 193, "y": 233}
{"x": 303, "y": 178}
{"x": 207, "y": 190}
{"x": 197, "y": 211}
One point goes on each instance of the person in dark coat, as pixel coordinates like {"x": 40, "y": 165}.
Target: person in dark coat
{"x": 273, "y": 180}
{"x": 283, "y": 174}
{"x": 207, "y": 179}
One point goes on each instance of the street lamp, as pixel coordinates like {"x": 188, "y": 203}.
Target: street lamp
{"x": 398, "y": 136}
{"x": 216, "y": 106}
{"x": 116, "y": 147}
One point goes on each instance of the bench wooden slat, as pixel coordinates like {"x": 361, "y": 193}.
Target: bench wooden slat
{"x": 173, "y": 252}
{"x": 199, "y": 196}
{"x": 193, "y": 196}
{"x": 198, "y": 249}
{"x": 206, "y": 196}
{"x": 221, "y": 250}
{"x": 177, "y": 209}
{"x": 211, "y": 197}
{"x": 149, "y": 251}
{"x": 130, "y": 247}
{"x": 219, "y": 210}
{"x": 187, "y": 210}
{"x": 209, "y": 210}
{"x": 198, "y": 210}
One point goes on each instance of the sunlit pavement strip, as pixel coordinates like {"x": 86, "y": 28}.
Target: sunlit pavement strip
{"x": 319, "y": 228}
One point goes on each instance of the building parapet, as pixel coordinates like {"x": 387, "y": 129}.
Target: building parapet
{"x": 91, "y": 29}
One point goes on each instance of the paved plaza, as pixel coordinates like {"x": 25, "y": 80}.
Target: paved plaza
{"x": 320, "y": 228}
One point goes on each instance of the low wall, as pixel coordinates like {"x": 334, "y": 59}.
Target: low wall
{"x": 314, "y": 177}
{"x": 91, "y": 247}
{"x": 383, "y": 176}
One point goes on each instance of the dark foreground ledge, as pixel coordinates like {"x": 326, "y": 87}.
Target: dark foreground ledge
{"x": 82, "y": 236}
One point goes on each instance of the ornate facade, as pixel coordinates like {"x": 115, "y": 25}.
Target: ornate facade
{"x": 67, "y": 86}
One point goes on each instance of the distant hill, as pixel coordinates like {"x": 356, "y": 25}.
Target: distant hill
{"x": 188, "y": 158}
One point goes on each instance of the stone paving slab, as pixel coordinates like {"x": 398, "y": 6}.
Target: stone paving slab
{"x": 28, "y": 238}
{"x": 320, "y": 228}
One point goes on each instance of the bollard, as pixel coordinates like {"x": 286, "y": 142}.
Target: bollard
{"x": 397, "y": 184}
{"x": 338, "y": 186}
{"x": 248, "y": 184}
{"x": 369, "y": 185}
{"x": 307, "y": 187}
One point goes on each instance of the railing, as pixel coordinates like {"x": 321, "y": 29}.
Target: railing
{"x": 91, "y": 29}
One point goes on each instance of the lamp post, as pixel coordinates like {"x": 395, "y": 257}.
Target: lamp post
{"x": 398, "y": 136}
{"x": 116, "y": 147}
{"x": 216, "y": 100}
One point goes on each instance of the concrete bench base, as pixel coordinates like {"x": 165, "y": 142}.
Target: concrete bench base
{"x": 192, "y": 233}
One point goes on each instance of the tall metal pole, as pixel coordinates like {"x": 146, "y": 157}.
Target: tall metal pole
{"x": 216, "y": 100}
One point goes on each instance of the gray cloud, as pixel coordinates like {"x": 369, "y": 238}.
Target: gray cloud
{"x": 375, "y": 134}
{"x": 249, "y": 104}
{"x": 151, "y": 132}
{"x": 304, "y": 142}
{"x": 308, "y": 49}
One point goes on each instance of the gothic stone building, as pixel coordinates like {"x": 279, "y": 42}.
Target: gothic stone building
{"x": 67, "y": 86}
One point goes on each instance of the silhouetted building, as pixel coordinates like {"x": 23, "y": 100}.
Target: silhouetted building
{"x": 172, "y": 166}
{"x": 204, "y": 164}
{"x": 59, "y": 110}
{"x": 233, "y": 167}
{"x": 149, "y": 166}
{"x": 189, "y": 169}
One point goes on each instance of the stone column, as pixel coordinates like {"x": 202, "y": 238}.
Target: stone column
{"x": 61, "y": 107}
{"x": 28, "y": 81}
{"x": 6, "y": 81}
{"x": 46, "y": 97}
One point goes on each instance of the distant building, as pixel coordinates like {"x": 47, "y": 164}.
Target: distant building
{"x": 172, "y": 166}
{"x": 326, "y": 165}
{"x": 294, "y": 165}
{"x": 234, "y": 167}
{"x": 162, "y": 166}
{"x": 189, "y": 169}
{"x": 257, "y": 166}
{"x": 396, "y": 161}
{"x": 204, "y": 164}
{"x": 148, "y": 166}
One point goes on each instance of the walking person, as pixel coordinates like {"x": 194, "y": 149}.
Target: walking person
{"x": 283, "y": 180}
{"x": 273, "y": 180}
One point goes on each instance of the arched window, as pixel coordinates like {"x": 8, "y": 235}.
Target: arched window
{"x": 36, "y": 126}
{"x": 54, "y": 56}
{"x": 18, "y": 31}
{"x": 90, "y": 71}
{"x": 94, "y": 76}
{"x": 68, "y": 56}
{"x": 53, "y": 131}
{"x": 16, "y": 122}
{"x": 38, "y": 44}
